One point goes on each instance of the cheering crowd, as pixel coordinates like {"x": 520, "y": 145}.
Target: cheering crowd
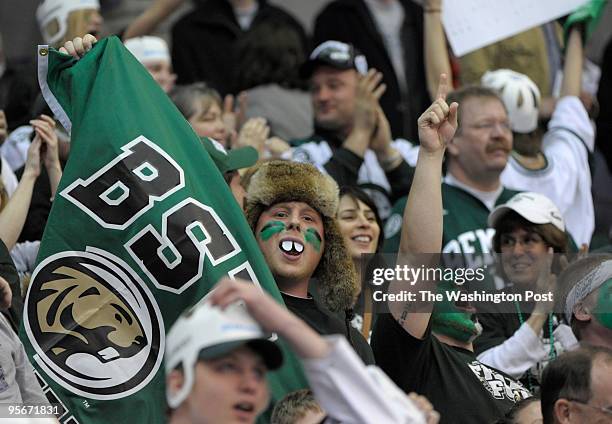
{"x": 367, "y": 136}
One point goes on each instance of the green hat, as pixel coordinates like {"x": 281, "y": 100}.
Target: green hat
{"x": 229, "y": 160}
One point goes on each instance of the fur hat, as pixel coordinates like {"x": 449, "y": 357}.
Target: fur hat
{"x": 283, "y": 181}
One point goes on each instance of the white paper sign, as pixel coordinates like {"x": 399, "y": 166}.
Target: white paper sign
{"x": 472, "y": 24}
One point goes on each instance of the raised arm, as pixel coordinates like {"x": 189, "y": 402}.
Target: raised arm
{"x": 422, "y": 222}
{"x": 149, "y": 20}
{"x": 44, "y": 127}
{"x": 347, "y": 390}
{"x": 13, "y": 216}
{"x": 436, "y": 54}
{"x": 572, "y": 70}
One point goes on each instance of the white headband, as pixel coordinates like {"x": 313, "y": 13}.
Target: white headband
{"x": 148, "y": 49}
{"x": 591, "y": 282}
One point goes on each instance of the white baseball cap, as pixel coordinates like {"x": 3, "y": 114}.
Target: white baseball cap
{"x": 534, "y": 207}
{"x": 148, "y": 49}
{"x": 208, "y": 332}
{"x": 59, "y": 10}
{"x": 520, "y": 95}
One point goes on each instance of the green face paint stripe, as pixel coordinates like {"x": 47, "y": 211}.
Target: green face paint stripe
{"x": 313, "y": 237}
{"x": 603, "y": 309}
{"x": 271, "y": 228}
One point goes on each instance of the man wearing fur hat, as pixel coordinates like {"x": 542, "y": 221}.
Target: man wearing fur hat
{"x": 291, "y": 207}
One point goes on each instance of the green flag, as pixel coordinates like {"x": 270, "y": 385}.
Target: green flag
{"x": 142, "y": 227}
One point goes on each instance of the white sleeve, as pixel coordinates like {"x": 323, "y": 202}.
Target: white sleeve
{"x": 8, "y": 177}
{"x": 24, "y": 255}
{"x": 353, "y": 393}
{"x": 570, "y": 114}
{"x": 517, "y": 354}
{"x": 409, "y": 151}
{"x": 314, "y": 153}
{"x": 565, "y": 336}
{"x": 567, "y": 144}
{"x": 15, "y": 147}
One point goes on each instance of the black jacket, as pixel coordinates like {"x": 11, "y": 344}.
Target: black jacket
{"x": 17, "y": 93}
{"x": 350, "y": 21}
{"x": 204, "y": 40}
{"x": 603, "y": 140}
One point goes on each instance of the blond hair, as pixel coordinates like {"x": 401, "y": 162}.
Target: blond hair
{"x": 294, "y": 406}
{"x": 76, "y": 25}
{"x": 4, "y": 197}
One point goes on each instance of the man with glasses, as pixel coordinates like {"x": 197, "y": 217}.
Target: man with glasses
{"x": 577, "y": 387}
{"x": 352, "y": 138}
{"x": 475, "y": 159}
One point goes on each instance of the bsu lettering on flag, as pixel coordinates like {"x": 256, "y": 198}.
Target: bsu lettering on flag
{"x": 142, "y": 227}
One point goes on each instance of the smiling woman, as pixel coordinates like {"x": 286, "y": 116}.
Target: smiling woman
{"x": 361, "y": 228}
{"x": 359, "y": 223}
{"x": 529, "y": 230}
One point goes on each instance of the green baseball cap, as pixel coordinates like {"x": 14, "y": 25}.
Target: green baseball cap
{"x": 229, "y": 160}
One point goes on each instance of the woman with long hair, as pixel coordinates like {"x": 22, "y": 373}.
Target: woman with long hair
{"x": 362, "y": 230}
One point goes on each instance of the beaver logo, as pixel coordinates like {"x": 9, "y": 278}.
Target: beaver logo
{"x": 94, "y": 325}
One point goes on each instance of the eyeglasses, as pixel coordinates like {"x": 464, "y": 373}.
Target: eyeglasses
{"x": 529, "y": 241}
{"x": 605, "y": 409}
{"x": 489, "y": 126}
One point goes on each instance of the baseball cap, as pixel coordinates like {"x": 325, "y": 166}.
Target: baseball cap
{"x": 336, "y": 54}
{"x": 534, "y": 207}
{"x": 50, "y": 10}
{"x": 229, "y": 160}
{"x": 148, "y": 48}
{"x": 208, "y": 332}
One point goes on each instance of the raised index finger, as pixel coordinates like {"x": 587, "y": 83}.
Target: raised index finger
{"x": 228, "y": 104}
{"x": 442, "y": 87}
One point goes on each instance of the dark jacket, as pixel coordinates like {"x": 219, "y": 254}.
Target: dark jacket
{"x": 204, "y": 40}
{"x": 9, "y": 273}
{"x": 603, "y": 139}
{"x": 345, "y": 167}
{"x": 350, "y": 21}
{"x": 17, "y": 93}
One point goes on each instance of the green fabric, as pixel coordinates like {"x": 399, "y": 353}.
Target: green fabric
{"x": 589, "y": 14}
{"x": 230, "y": 160}
{"x": 111, "y": 101}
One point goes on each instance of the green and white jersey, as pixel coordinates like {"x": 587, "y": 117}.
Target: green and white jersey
{"x": 465, "y": 222}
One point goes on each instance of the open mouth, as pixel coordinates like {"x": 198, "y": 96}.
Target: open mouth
{"x": 291, "y": 247}
{"x": 244, "y": 411}
{"x": 465, "y": 306}
{"x": 245, "y": 407}
{"x": 520, "y": 266}
{"x": 364, "y": 239}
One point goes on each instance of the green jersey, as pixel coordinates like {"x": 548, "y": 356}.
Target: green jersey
{"x": 465, "y": 222}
